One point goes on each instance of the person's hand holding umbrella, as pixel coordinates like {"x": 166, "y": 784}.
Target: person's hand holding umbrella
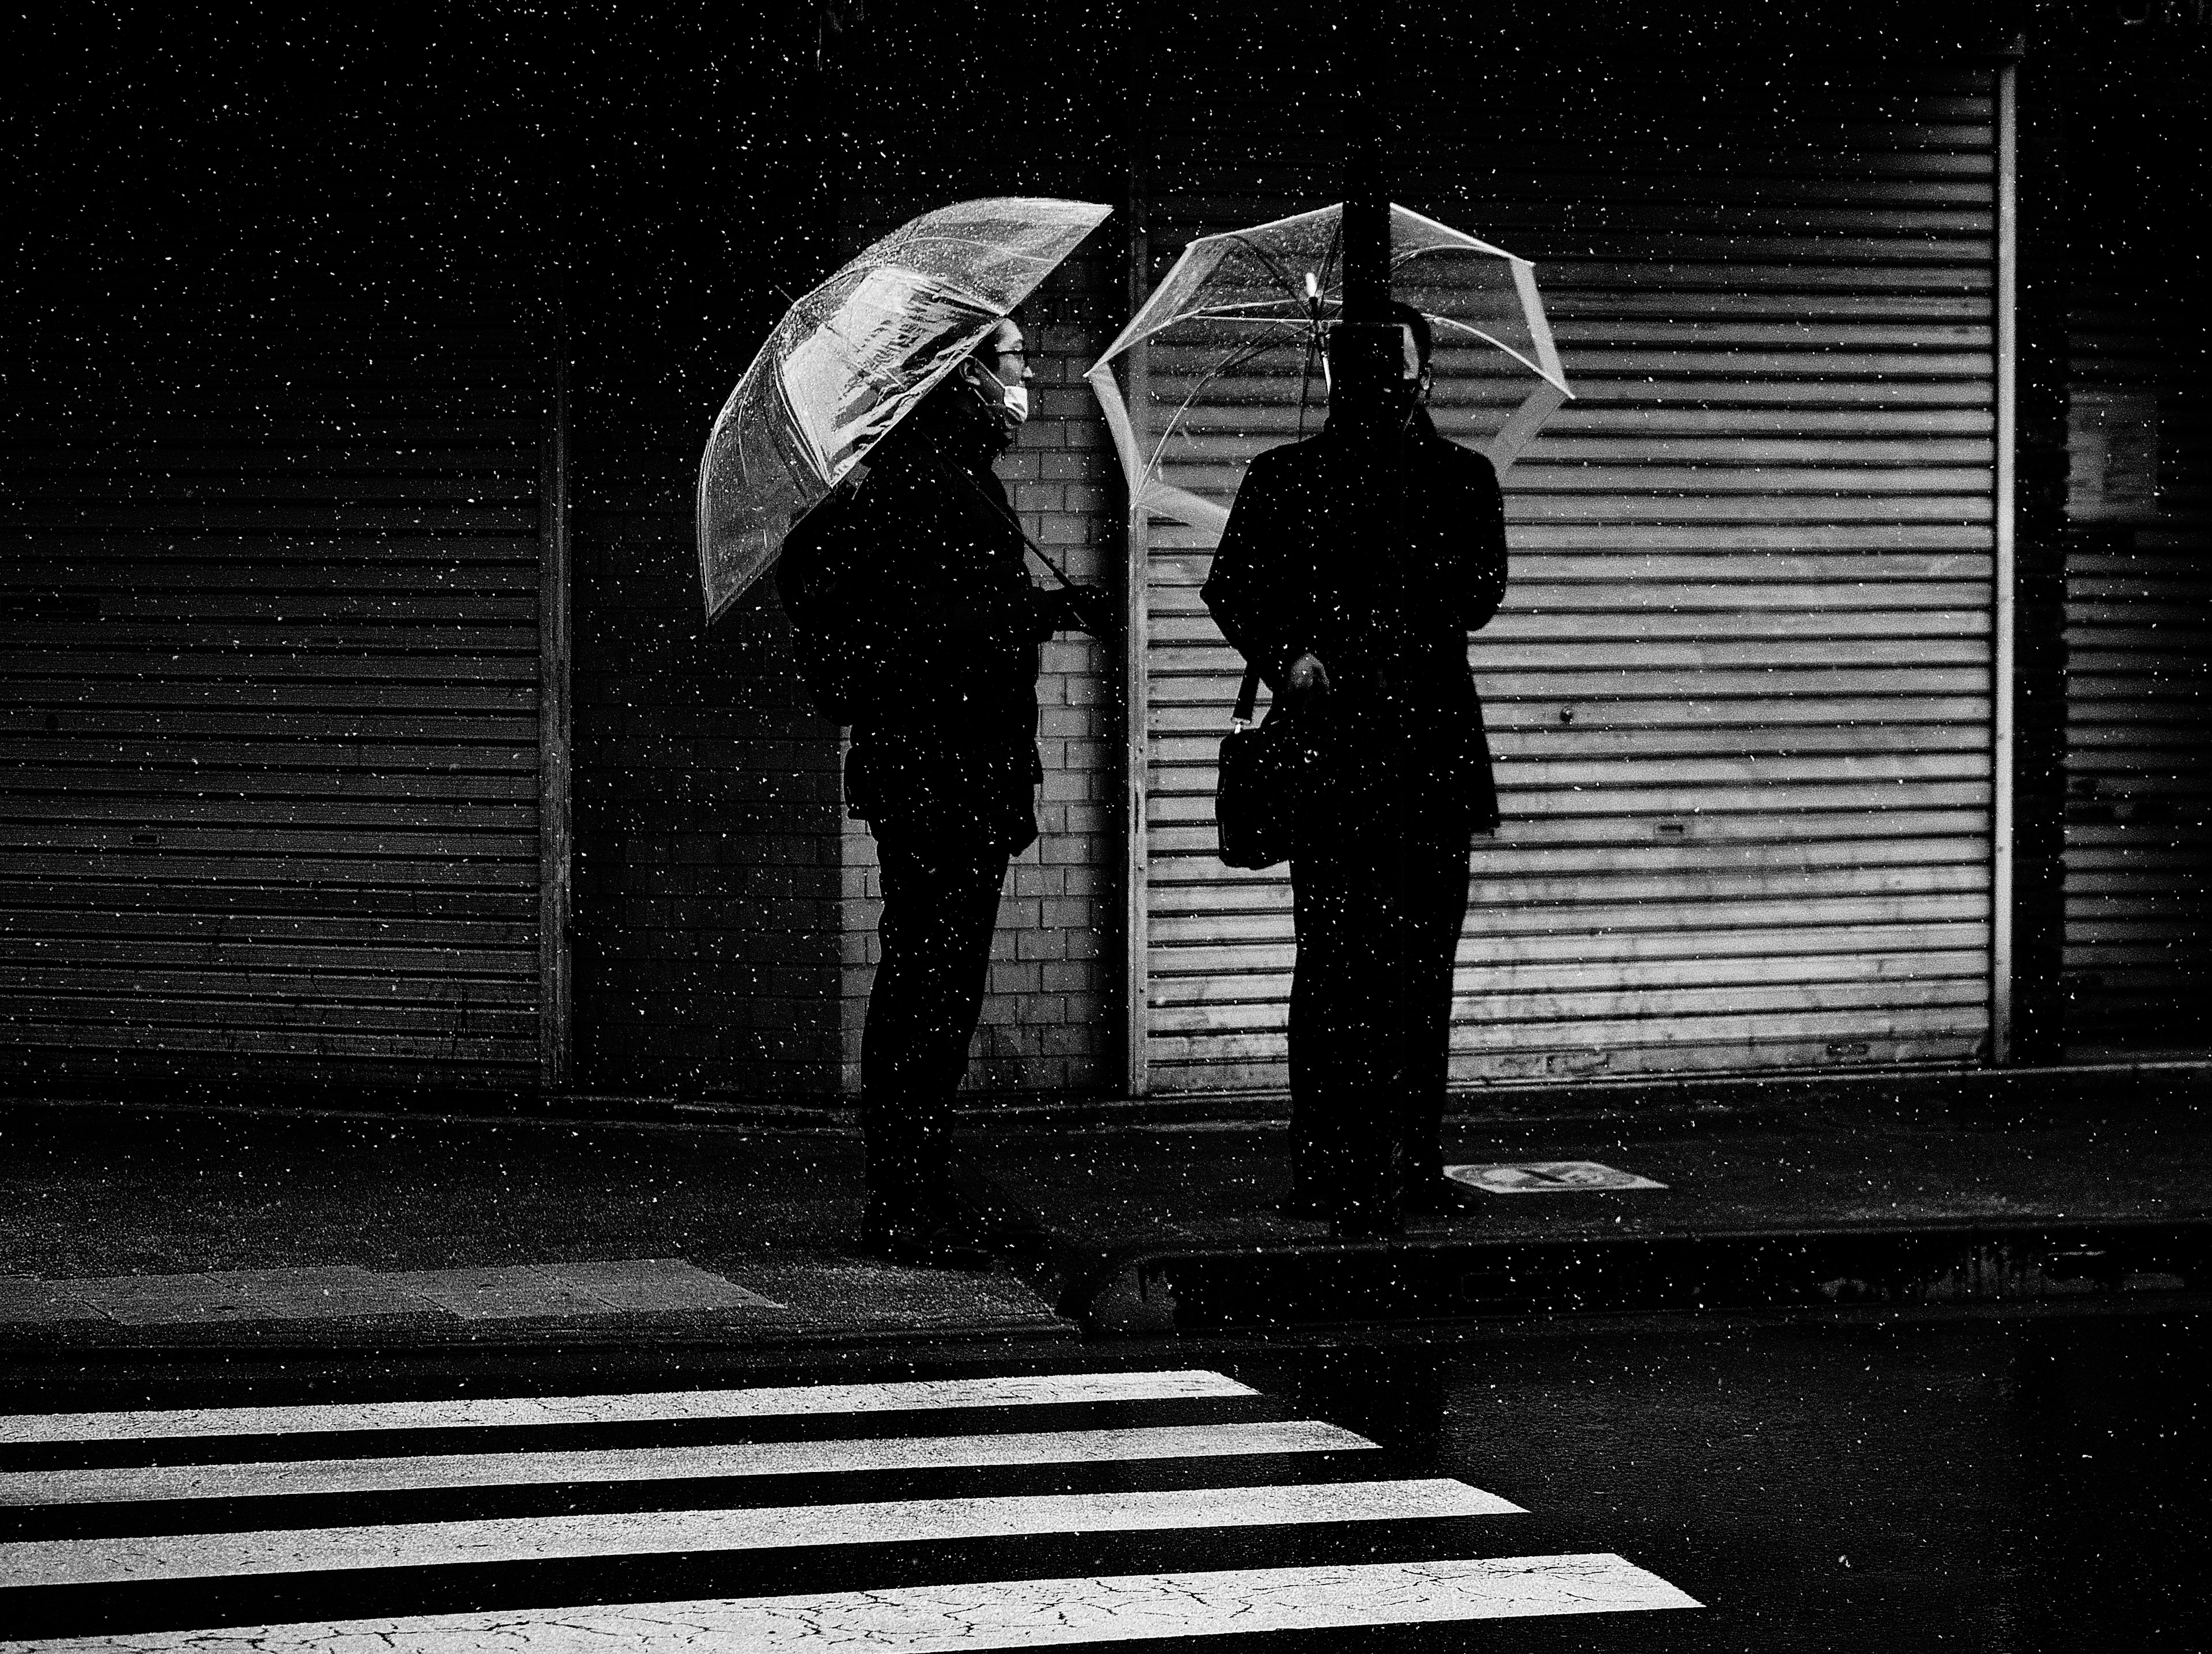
{"x": 1306, "y": 684}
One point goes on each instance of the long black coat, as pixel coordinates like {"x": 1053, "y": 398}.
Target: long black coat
{"x": 916, "y": 577}
{"x": 1308, "y": 564}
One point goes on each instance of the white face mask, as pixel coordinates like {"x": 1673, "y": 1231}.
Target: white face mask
{"x": 1014, "y": 398}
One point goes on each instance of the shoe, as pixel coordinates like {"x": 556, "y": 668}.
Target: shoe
{"x": 1302, "y": 1206}
{"x": 1429, "y": 1196}
{"x": 1365, "y": 1220}
{"x": 922, "y": 1233}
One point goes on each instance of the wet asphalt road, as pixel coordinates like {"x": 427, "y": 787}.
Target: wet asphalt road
{"x": 2035, "y": 1485}
{"x": 2027, "y": 1485}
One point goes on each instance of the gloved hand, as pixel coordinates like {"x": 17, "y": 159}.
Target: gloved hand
{"x": 1075, "y": 608}
{"x": 1049, "y": 613}
{"x": 1306, "y": 684}
{"x": 1094, "y": 610}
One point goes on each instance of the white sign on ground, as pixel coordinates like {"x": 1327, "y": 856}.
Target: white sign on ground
{"x": 1546, "y": 1178}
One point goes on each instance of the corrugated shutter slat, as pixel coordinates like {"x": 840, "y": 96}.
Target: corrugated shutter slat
{"x": 269, "y": 703}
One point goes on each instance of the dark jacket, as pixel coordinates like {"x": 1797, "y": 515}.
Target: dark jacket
{"x": 1307, "y": 563}
{"x": 915, "y": 576}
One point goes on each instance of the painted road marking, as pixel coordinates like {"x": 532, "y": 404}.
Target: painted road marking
{"x": 1547, "y": 1177}
{"x": 780, "y": 1402}
{"x": 437, "y": 1470}
{"x": 434, "y": 1544}
{"x": 958, "y": 1619}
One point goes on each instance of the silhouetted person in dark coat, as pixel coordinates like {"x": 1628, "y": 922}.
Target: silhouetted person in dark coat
{"x": 911, "y": 580}
{"x": 1350, "y": 573}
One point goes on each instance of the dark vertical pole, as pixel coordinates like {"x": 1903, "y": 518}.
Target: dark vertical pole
{"x": 556, "y": 1040}
{"x": 1366, "y": 212}
{"x": 1368, "y": 359}
{"x": 1365, "y": 357}
{"x": 2045, "y": 222}
{"x": 556, "y": 1032}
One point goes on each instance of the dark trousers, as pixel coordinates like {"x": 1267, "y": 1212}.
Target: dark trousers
{"x": 940, "y": 908}
{"x": 1378, "y": 920}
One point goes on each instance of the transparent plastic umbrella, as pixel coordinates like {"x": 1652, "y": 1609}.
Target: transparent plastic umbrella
{"x": 1236, "y": 363}
{"x": 849, "y": 360}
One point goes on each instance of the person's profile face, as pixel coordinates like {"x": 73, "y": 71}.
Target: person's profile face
{"x": 1004, "y": 352}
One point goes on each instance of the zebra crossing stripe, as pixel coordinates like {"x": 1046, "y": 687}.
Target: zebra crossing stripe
{"x": 264, "y": 1479}
{"x": 960, "y": 1619}
{"x": 776, "y": 1402}
{"x": 432, "y": 1544}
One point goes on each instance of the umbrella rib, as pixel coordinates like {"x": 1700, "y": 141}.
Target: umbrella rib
{"x": 1224, "y": 312}
{"x": 1488, "y": 338}
{"x": 1237, "y": 360}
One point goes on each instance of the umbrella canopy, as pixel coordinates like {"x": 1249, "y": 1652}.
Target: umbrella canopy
{"x": 849, "y": 360}
{"x": 1240, "y": 321}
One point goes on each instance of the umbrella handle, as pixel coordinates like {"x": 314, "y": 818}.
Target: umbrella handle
{"x": 1012, "y": 521}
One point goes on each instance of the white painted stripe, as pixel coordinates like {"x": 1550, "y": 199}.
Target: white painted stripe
{"x": 960, "y": 1619}
{"x": 777, "y": 1458}
{"x": 638, "y": 1532}
{"x": 780, "y": 1402}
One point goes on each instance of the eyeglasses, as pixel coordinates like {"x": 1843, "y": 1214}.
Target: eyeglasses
{"x": 1022, "y": 351}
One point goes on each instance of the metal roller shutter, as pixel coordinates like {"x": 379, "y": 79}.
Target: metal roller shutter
{"x": 269, "y": 807}
{"x": 2139, "y": 655}
{"x": 1740, "y": 692}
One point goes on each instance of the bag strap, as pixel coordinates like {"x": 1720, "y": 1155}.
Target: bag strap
{"x": 1247, "y": 696}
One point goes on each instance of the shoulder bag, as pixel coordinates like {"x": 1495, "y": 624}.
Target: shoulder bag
{"x": 1256, "y": 791}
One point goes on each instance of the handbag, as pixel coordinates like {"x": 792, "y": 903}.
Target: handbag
{"x": 1263, "y": 772}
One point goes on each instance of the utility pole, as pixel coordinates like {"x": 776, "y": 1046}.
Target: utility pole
{"x": 1368, "y": 349}
{"x": 1366, "y": 356}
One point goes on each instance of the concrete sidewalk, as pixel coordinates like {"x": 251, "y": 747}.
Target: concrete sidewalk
{"x": 139, "y": 1229}
{"x": 1919, "y": 1190}
{"x": 147, "y": 1228}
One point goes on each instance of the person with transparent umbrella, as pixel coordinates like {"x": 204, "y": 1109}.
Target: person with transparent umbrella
{"x": 855, "y": 456}
{"x": 1352, "y": 568}
{"x": 914, "y": 570}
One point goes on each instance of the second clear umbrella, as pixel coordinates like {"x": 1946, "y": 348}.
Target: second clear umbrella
{"x": 1236, "y": 363}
